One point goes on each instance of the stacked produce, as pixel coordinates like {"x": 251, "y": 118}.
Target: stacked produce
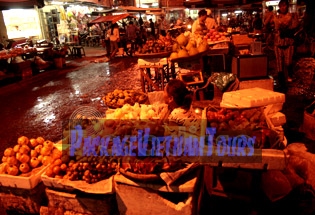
{"x": 28, "y": 155}
{"x": 215, "y": 36}
{"x": 249, "y": 121}
{"x": 118, "y": 98}
{"x": 138, "y": 112}
{"x": 77, "y": 163}
{"x": 151, "y": 165}
{"x": 187, "y": 46}
{"x": 235, "y": 119}
{"x": 163, "y": 44}
{"x": 88, "y": 168}
{"x": 6, "y": 54}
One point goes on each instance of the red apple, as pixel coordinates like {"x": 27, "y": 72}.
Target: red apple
{"x": 24, "y": 149}
{"x": 33, "y": 142}
{"x": 24, "y": 158}
{"x": 12, "y": 160}
{"x": 45, "y": 151}
{"x": 12, "y": 170}
{"x": 34, "y": 162}
{"x": 34, "y": 153}
{"x": 49, "y": 144}
{"x": 40, "y": 140}
{"x": 16, "y": 148}
{"x": 22, "y": 140}
{"x": 24, "y": 168}
{"x": 8, "y": 152}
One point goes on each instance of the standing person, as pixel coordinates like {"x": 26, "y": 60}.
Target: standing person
{"x": 163, "y": 26}
{"x": 131, "y": 32}
{"x": 114, "y": 39}
{"x": 268, "y": 19}
{"x": 152, "y": 26}
{"x": 140, "y": 21}
{"x": 107, "y": 40}
{"x": 199, "y": 26}
{"x": 210, "y": 22}
{"x": 268, "y": 23}
{"x": 257, "y": 24}
{"x": 285, "y": 24}
{"x": 157, "y": 25}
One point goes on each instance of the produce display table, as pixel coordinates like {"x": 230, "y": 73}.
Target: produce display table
{"x": 154, "y": 73}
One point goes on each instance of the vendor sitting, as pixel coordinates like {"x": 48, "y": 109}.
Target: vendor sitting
{"x": 181, "y": 115}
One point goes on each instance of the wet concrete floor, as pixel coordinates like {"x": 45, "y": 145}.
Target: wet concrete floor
{"x": 37, "y": 106}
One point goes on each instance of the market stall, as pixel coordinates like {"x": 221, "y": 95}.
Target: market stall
{"x": 78, "y": 175}
{"x": 120, "y": 160}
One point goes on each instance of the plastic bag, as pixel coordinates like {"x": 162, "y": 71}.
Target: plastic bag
{"x": 223, "y": 80}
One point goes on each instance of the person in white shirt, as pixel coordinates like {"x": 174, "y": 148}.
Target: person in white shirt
{"x": 199, "y": 26}
{"x": 114, "y": 39}
{"x": 210, "y": 22}
{"x": 163, "y": 26}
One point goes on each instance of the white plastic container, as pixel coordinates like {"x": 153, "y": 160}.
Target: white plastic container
{"x": 252, "y": 97}
{"x": 22, "y": 182}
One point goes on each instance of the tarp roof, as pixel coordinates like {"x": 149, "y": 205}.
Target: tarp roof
{"x": 139, "y": 9}
{"x": 13, "y": 4}
{"x": 97, "y": 13}
{"x": 110, "y": 18}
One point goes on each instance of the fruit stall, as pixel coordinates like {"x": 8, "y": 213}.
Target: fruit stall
{"x": 100, "y": 160}
{"x": 166, "y": 57}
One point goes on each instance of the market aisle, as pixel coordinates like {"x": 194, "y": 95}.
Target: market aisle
{"x": 38, "y": 108}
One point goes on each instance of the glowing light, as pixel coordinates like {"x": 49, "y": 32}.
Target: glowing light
{"x": 224, "y": 14}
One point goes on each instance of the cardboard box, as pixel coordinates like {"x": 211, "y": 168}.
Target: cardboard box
{"x": 250, "y": 66}
{"x": 267, "y": 84}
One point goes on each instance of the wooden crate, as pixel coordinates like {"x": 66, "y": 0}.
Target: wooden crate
{"x": 154, "y": 73}
{"x": 261, "y": 83}
{"x": 81, "y": 203}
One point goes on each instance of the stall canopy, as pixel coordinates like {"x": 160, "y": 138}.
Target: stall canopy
{"x": 23, "y": 4}
{"x": 108, "y": 11}
{"x": 110, "y": 18}
{"x": 139, "y": 9}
